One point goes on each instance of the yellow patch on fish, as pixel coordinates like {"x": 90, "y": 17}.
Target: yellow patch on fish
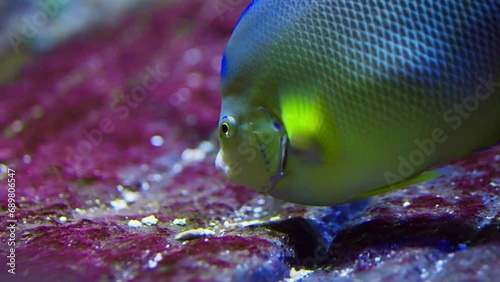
{"x": 308, "y": 125}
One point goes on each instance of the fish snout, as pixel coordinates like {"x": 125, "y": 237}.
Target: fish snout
{"x": 220, "y": 164}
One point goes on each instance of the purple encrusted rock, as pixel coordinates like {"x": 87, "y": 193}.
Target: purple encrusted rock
{"x": 111, "y": 138}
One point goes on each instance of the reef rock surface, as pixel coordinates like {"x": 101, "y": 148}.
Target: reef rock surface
{"x": 111, "y": 138}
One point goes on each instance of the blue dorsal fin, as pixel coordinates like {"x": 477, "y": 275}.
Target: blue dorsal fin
{"x": 246, "y": 11}
{"x": 223, "y": 69}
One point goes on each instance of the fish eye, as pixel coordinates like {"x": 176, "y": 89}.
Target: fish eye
{"x": 228, "y": 127}
{"x": 225, "y": 128}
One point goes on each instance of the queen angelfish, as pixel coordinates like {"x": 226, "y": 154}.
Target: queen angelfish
{"x": 326, "y": 101}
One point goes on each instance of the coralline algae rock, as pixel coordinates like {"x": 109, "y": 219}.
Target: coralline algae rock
{"x": 115, "y": 127}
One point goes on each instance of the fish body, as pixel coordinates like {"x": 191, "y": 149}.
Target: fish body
{"x": 324, "y": 101}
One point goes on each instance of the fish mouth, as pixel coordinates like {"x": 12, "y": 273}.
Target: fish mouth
{"x": 274, "y": 176}
{"x": 220, "y": 164}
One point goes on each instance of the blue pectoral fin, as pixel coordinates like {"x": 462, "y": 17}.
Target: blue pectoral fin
{"x": 426, "y": 176}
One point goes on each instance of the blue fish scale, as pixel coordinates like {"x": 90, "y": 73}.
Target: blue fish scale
{"x": 374, "y": 64}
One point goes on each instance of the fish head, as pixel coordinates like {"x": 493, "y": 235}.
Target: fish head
{"x": 253, "y": 146}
